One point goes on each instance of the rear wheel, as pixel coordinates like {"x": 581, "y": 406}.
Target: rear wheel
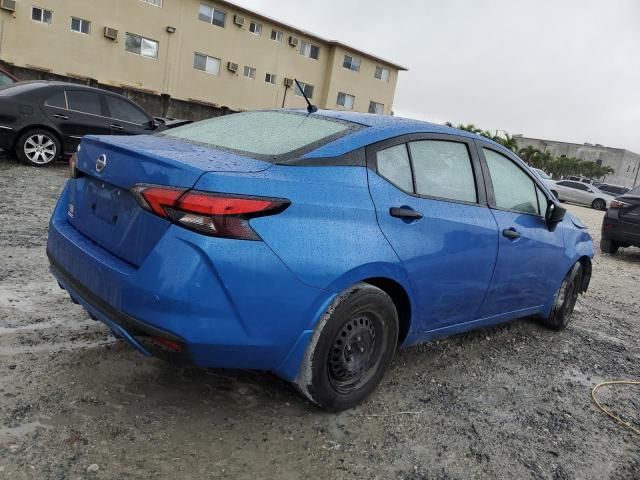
{"x": 609, "y": 246}
{"x": 351, "y": 349}
{"x": 565, "y": 299}
{"x": 38, "y": 147}
{"x": 599, "y": 204}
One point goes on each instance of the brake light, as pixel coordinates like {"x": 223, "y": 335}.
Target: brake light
{"x": 213, "y": 214}
{"x": 73, "y": 166}
{"x": 618, "y": 204}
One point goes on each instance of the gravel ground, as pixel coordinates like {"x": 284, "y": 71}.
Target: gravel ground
{"x": 506, "y": 402}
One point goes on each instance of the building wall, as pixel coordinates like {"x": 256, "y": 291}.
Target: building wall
{"x": 626, "y": 164}
{"x": 56, "y": 49}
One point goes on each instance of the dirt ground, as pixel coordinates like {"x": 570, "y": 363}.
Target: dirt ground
{"x": 506, "y": 402}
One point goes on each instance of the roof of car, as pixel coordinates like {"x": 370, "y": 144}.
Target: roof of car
{"x": 30, "y": 85}
{"x": 380, "y": 127}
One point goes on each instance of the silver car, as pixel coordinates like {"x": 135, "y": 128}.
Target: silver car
{"x": 580, "y": 193}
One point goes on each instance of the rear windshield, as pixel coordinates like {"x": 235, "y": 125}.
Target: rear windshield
{"x": 265, "y": 135}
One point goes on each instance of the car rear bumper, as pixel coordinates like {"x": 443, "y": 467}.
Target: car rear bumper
{"x": 613, "y": 228}
{"x": 230, "y": 303}
{"x": 7, "y": 137}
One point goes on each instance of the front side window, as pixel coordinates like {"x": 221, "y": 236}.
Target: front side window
{"x": 80, "y": 25}
{"x": 375, "y": 107}
{"x": 443, "y": 169}
{"x": 41, "y": 15}
{"x": 306, "y": 88}
{"x": 345, "y": 100}
{"x": 276, "y": 35}
{"x": 141, "y": 46}
{"x": 255, "y": 28}
{"x": 512, "y": 187}
{"x": 394, "y": 165}
{"x": 272, "y": 134}
{"x": 211, "y": 15}
{"x": 207, "y": 64}
{"x": 382, "y": 74}
{"x": 309, "y": 50}
{"x": 351, "y": 63}
{"x": 270, "y": 78}
{"x": 543, "y": 201}
{"x": 249, "y": 72}
{"x": 85, "y": 102}
{"x": 120, "y": 109}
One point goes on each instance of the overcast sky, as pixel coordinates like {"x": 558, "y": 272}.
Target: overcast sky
{"x": 558, "y": 69}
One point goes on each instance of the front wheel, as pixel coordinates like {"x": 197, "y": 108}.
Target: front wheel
{"x": 350, "y": 350}
{"x": 565, "y": 299}
{"x": 38, "y": 148}
{"x": 599, "y": 204}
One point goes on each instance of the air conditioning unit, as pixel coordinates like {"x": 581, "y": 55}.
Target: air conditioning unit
{"x": 9, "y": 5}
{"x": 293, "y": 41}
{"x": 288, "y": 82}
{"x": 232, "y": 67}
{"x": 111, "y": 33}
{"x": 238, "y": 20}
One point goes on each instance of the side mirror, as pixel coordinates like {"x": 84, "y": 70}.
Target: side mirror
{"x": 152, "y": 125}
{"x": 555, "y": 214}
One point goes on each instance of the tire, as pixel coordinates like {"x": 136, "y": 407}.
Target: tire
{"x": 609, "y": 246}
{"x": 38, "y": 148}
{"x": 599, "y": 204}
{"x": 565, "y": 299}
{"x": 351, "y": 349}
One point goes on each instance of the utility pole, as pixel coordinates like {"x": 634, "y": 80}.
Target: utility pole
{"x": 635, "y": 180}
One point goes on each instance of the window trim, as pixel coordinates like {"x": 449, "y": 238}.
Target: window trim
{"x": 42, "y": 9}
{"x": 248, "y": 77}
{"x": 259, "y": 28}
{"x": 214, "y": 9}
{"x": 476, "y": 166}
{"x": 277, "y": 40}
{"x": 350, "y": 67}
{"x": 81, "y": 21}
{"x": 272, "y": 76}
{"x": 491, "y": 199}
{"x": 205, "y": 65}
{"x": 345, "y": 95}
{"x": 157, "y": 57}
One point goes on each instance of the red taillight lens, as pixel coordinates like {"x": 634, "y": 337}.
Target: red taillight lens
{"x": 213, "y": 214}
{"x": 618, "y": 204}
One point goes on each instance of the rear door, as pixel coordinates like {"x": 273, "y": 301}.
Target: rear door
{"x": 84, "y": 115}
{"x": 531, "y": 257}
{"x": 125, "y": 118}
{"x": 430, "y": 203}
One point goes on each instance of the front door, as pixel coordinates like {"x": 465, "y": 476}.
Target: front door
{"x": 125, "y": 118}
{"x": 531, "y": 257}
{"x": 430, "y": 203}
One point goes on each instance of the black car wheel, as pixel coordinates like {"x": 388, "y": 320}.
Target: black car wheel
{"x": 38, "y": 148}
{"x": 599, "y": 204}
{"x": 350, "y": 350}
{"x": 565, "y": 299}
{"x": 609, "y": 246}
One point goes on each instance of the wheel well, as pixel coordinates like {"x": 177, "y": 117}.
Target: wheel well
{"x": 39, "y": 127}
{"x": 586, "y": 277}
{"x": 400, "y": 300}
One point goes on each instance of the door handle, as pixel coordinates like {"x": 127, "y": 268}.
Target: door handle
{"x": 59, "y": 115}
{"x": 511, "y": 233}
{"x": 116, "y": 126}
{"x": 404, "y": 212}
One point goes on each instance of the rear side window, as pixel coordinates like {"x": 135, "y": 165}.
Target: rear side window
{"x": 270, "y": 134}
{"x": 5, "y": 79}
{"x": 443, "y": 169}
{"x": 57, "y": 100}
{"x": 512, "y": 187}
{"x": 86, "y": 102}
{"x": 120, "y": 109}
{"x": 393, "y": 164}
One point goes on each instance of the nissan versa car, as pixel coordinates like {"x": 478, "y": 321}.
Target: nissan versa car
{"x": 310, "y": 245}
{"x": 580, "y": 193}
{"x": 621, "y": 224}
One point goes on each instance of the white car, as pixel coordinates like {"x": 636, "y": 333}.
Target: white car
{"x": 580, "y": 193}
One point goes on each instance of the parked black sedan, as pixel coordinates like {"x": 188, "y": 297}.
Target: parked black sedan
{"x": 42, "y": 120}
{"x": 621, "y": 224}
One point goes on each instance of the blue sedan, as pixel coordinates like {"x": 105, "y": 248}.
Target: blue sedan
{"x": 310, "y": 245}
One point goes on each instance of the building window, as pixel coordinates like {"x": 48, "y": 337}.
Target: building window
{"x": 306, "y": 88}
{"x": 345, "y": 100}
{"x": 382, "y": 74}
{"x": 81, "y": 26}
{"x": 271, "y": 78}
{"x": 211, "y": 15}
{"x": 309, "y": 50}
{"x": 141, "y": 46}
{"x": 157, "y": 3}
{"x": 249, "y": 72}
{"x": 351, "y": 63}
{"x": 255, "y": 28}
{"x": 377, "y": 108}
{"x": 276, "y": 35}
{"x": 207, "y": 64}
{"x": 41, "y": 15}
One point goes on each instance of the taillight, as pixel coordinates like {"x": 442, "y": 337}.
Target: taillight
{"x": 73, "y": 166}
{"x": 618, "y": 204}
{"x": 213, "y": 214}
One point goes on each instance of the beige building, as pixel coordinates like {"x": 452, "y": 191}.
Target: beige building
{"x": 193, "y": 50}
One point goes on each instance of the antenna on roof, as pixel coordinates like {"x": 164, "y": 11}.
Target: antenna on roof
{"x": 310, "y": 107}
